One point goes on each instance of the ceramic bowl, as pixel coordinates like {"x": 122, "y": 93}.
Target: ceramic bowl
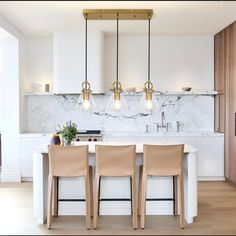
{"x": 186, "y": 89}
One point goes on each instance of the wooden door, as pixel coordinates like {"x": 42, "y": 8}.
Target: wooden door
{"x": 230, "y": 135}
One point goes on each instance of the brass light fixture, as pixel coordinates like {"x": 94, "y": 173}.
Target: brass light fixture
{"x": 86, "y": 100}
{"x": 148, "y": 101}
{"x": 111, "y": 14}
{"x": 117, "y": 101}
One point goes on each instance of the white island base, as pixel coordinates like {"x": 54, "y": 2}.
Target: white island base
{"x": 114, "y": 187}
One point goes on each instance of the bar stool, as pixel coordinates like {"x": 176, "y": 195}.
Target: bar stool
{"x": 162, "y": 160}
{"x": 68, "y": 161}
{"x": 117, "y": 161}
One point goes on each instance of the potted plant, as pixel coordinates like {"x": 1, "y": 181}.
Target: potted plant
{"x": 68, "y": 132}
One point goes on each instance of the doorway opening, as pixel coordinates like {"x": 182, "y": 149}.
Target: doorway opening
{"x": 9, "y": 95}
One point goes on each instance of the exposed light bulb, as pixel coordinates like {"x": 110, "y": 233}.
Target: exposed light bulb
{"x": 117, "y": 105}
{"x": 86, "y": 104}
{"x": 149, "y": 104}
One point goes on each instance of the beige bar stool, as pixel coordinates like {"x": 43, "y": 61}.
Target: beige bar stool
{"x": 68, "y": 161}
{"x": 115, "y": 161}
{"x": 162, "y": 160}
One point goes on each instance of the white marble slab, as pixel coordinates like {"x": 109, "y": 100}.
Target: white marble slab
{"x": 45, "y": 113}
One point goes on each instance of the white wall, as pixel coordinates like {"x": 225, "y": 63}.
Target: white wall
{"x": 10, "y": 110}
{"x": 13, "y": 109}
{"x": 176, "y": 61}
{"x": 11, "y": 29}
{"x": 69, "y": 61}
{"x": 39, "y": 55}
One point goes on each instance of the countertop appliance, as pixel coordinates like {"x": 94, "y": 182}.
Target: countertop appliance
{"x": 89, "y": 135}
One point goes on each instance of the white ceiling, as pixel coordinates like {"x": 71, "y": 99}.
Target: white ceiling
{"x": 42, "y": 18}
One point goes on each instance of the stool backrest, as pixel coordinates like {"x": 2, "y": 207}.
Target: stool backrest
{"x": 163, "y": 159}
{"x": 68, "y": 161}
{"x": 115, "y": 160}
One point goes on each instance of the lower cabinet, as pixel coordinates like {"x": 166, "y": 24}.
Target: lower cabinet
{"x": 210, "y": 158}
{"x": 210, "y": 152}
{"x": 28, "y": 144}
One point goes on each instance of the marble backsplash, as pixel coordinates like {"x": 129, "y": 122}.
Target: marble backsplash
{"x": 45, "y": 113}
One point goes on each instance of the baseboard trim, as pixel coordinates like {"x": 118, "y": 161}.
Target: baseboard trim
{"x": 10, "y": 177}
{"x": 26, "y": 179}
{"x": 211, "y": 178}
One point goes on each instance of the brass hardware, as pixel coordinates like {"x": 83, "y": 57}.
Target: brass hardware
{"x": 117, "y": 90}
{"x": 86, "y": 90}
{"x": 124, "y": 14}
{"x": 148, "y": 89}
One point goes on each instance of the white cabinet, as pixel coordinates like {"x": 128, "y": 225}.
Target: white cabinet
{"x": 210, "y": 151}
{"x": 133, "y": 139}
{"x": 28, "y": 144}
{"x": 210, "y": 157}
{"x": 69, "y": 61}
{"x": 191, "y": 141}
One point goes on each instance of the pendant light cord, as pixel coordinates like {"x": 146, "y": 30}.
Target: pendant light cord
{"x": 117, "y": 46}
{"x": 149, "y": 31}
{"x": 86, "y": 19}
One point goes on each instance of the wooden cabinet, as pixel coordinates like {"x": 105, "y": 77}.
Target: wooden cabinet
{"x": 225, "y": 102}
{"x": 220, "y": 81}
{"x": 231, "y": 103}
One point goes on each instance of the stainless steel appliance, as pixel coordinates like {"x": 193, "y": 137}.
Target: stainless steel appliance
{"x": 89, "y": 135}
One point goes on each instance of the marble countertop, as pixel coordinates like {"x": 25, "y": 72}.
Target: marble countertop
{"x": 162, "y": 134}
{"x": 139, "y": 146}
{"x": 139, "y": 134}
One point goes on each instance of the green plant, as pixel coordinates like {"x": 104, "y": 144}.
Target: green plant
{"x": 68, "y": 132}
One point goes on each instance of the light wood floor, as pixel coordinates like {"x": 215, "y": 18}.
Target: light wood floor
{"x": 217, "y": 215}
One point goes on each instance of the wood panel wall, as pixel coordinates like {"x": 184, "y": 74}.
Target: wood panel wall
{"x": 225, "y": 102}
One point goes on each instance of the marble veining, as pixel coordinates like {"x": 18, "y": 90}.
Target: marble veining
{"x": 194, "y": 112}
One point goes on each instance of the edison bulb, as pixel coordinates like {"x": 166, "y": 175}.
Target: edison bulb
{"x": 117, "y": 105}
{"x": 86, "y": 104}
{"x": 149, "y": 105}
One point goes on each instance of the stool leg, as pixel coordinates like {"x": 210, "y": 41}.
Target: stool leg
{"x": 99, "y": 190}
{"x": 131, "y": 196}
{"x": 49, "y": 213}
{"x": 88, "y": 200}
{"x": 140, "y": 189}
{"x": 182, "y": 217}
{"x": 55, "y": 192}
{"x": 95, "y": 205}
{"x": 176, "y": 195}
{"x": 134, "y": 200}
{"x": 91, "y": 189}
{"x": 143, "y": 200}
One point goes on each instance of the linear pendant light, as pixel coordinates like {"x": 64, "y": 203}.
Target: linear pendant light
{"x": 148, "y": 101}
{"x": 117, "y": 101}
{"x": 86, "y": 101}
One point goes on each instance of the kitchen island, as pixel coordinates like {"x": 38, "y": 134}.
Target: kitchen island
{"x": 114, "y": 187}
